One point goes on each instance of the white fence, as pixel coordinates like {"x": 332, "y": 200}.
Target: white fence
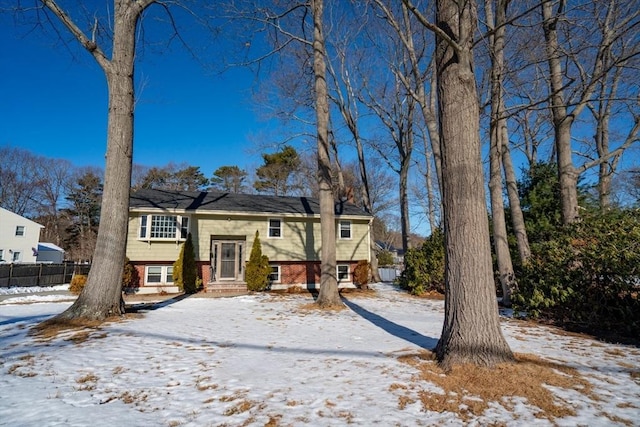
{"x": 388, "y": 274}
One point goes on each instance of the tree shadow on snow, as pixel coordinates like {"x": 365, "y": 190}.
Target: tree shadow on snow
{"x": 407, "y": 334}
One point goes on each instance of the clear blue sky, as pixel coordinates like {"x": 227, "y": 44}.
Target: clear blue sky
{"x": 54, "y": 103}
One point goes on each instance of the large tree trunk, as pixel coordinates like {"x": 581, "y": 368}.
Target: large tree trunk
{"x": 329, "y": 295}
{"x": 471, "y": 331}
{"x": 567, "y": 175}
{"x": 102, "y": 295}
{"x": 498, "y": 140}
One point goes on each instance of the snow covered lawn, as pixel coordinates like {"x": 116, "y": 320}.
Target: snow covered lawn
{"x": 270, "y": 360}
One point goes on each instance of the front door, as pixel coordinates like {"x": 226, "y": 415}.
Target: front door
{"x": 227, "y": 259}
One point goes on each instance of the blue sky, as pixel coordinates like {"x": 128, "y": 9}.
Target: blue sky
{"x": 54, "y": 103}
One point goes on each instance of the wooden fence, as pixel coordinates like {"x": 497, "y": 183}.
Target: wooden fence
{"x": 27, "y": 275}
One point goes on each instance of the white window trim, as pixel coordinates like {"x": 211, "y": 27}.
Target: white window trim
{"x": 269, "y": 236}
{"x": 16, "y": 256}
{"x": 163, "y": 275}
{"x": 349, "y": 278}
{"x": 340, "y": 222}
{"x": 178, "y": 230}
{"x": 279, "y": 279}
{"x": 24, "y": 230}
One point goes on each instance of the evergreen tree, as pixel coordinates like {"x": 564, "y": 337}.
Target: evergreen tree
{"x": 258, "y": 269}
{"x": 273, "y": 177}
{"x": 84, "y": 214}
{"x": 229, "y": 179}
{"x": 185, "y": 270}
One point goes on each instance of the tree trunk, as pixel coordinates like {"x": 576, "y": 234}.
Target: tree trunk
{"x": 329, "y": 295}
{"x": 405, "y": 160}
{"x": 102, "y": 295}
{"x": 567, "y": 175}
{"x": 517, "y": 218}
{"x": 471, "y": 331}
{"x": 498, "y": 140}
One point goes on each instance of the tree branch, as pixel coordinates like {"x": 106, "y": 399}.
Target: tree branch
{"x": 89, "y": 44}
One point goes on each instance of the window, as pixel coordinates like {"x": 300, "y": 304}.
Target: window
{"x": 274, "y": 276}
{"x": 163, "y": 227}
{"x": 345, "y": 229}
{"x": 184, "y": 228}
{"x": 158, "y": 274}
{"x": 17, "y": 256}
{"x": 20, "y": 230}
{"x": 275, "y": 228}
{"x": 143, "y": 227}
{"x": 343, "y": 273}
{"x": 1, "y": 255}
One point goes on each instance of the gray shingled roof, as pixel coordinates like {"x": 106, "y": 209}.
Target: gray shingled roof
{"x": 230, "y": 202}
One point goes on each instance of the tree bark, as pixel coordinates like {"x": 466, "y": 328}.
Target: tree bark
{"x": 328, "y": 295}
{"x": 471, "y": 331}
{"x": 102, "y": 296}
{"x": 567, "y": 175}
{"x": 497, "y": 136}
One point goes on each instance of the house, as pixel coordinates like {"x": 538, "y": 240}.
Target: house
{"x": 18, "y": 238}
{"x": 223, "y": 227}
{"x": 50, "y": 253}
{"x": 396, "y": 253}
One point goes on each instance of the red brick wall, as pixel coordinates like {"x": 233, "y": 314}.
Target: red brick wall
{"x": 306, "y": 272}
{"x": 291, "y": 272}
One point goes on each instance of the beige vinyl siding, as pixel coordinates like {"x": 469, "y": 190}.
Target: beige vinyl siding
{"x": 138, "y": 250}
{"x": 357, "y": 247}
{"x": 300, "y": 239}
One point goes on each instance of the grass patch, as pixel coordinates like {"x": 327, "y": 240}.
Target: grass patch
{"x": 468, "y": 389}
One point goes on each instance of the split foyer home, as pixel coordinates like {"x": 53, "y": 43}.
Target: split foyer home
{"x": 223, "y": 227}
{"x": 18, "y": 238}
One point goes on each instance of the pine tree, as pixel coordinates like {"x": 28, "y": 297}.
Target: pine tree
{"x": 185, "y": 271}
{"x": 258, "y": 269}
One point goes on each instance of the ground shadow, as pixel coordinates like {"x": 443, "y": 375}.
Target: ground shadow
{"x": 393, "y": 328}
{"x": 150, "y": 306}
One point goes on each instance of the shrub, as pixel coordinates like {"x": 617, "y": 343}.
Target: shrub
{"x": 258, "y": 268}
{"x": 130, "y": 276}
{"x": 424, "y": 266}
{"x": 385, "y": 258}
{"x": 77, "y": 283}
{"x": 361, "y": 274}
{"x": 586, "y": 277}
{"x": 185, "y": 270}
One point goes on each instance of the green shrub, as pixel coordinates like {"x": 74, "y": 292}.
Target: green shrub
{"x": 587, "y": 276}
{"x": 77, "y": 283}
{"x": 185, "y": 270}
{"x": 385, "y": 258}
{"x": 361, "y": 274}
{"x": 258, "y": 268}
{"x": 424, "y": 266}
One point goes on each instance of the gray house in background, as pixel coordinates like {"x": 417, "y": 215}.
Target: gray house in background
{"x": 50, "y": 253}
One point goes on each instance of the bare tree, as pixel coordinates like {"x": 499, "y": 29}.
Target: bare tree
{"x": 620, "y": 21}
{"x": 102, "y": 295}
{"x": 19, "y": 180}
{"x": 471, "y": 331}
{"x": 498, "y": 142}
{"x": 328, "y": 296}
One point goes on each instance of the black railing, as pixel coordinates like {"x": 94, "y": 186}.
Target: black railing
{"x": 26, "y": 275}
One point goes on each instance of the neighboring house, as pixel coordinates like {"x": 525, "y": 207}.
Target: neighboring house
{"x": 396, "y": 253}
{"x": 223, "y": 228}
{"x": 50, "y": 253}
{"x": 18, "y": 238}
